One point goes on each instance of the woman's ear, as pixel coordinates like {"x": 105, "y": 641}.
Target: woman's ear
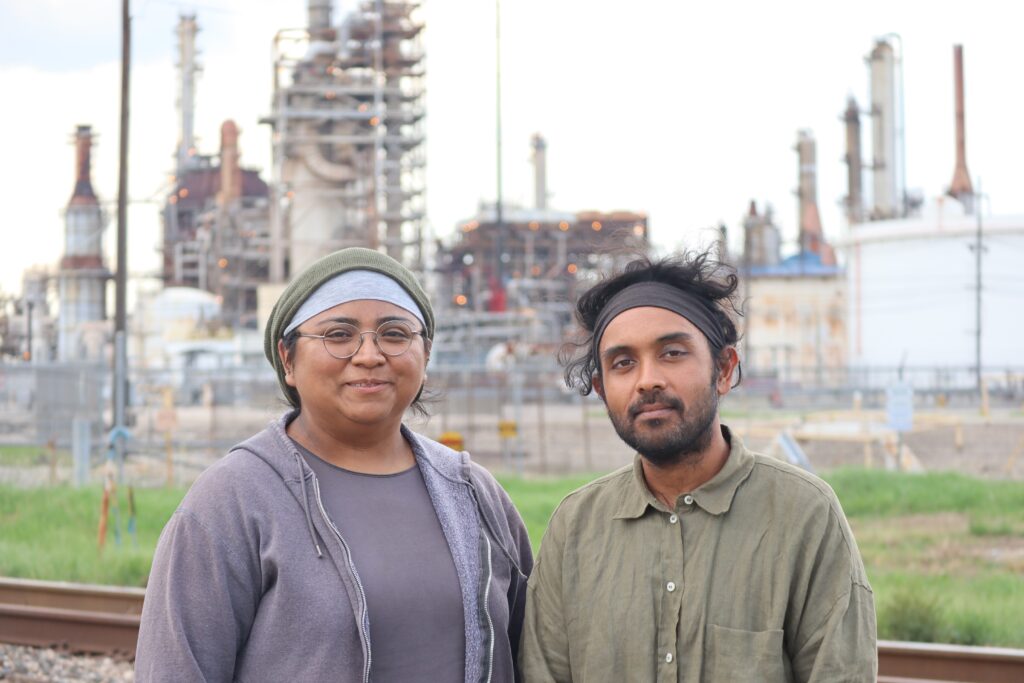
{"x": 286, "y": 363}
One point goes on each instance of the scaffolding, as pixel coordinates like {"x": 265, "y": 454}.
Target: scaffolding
{"x": 349, "y": 160}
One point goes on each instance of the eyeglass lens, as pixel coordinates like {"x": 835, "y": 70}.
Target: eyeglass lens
{"x": 393, "y": 339}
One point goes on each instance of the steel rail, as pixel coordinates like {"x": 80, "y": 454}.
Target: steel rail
{"x": 961, "y": 663}
{"x": 105, "y": 619}
{"x": 73, "y": 617}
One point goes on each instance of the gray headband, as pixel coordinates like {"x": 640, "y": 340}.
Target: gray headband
{"x": 353, "y": 285}
{"x": 660, "y": 295}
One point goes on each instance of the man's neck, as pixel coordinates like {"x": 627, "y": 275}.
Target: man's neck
{"x": 668, "y": 482}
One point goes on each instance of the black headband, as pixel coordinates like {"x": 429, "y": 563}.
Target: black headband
{"x": 660, "y": 295}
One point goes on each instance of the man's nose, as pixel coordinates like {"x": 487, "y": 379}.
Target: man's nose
{"x": 650, "y": 377}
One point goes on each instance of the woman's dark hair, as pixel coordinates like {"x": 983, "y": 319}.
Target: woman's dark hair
{"x": 694, "y": 272}
{"x": 419, "y": 404}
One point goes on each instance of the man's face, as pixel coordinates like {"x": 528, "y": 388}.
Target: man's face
{"x": 659, "y": 384}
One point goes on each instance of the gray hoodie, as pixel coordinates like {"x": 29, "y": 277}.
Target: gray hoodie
{"x": 251, "y": 580}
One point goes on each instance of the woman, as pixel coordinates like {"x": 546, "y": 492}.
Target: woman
{"x": 337, "y": 544}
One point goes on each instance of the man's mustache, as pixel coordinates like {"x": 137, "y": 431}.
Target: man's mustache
{"x": 664, "y": 399}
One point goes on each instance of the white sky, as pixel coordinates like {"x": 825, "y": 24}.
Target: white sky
{"x": 683, "y": 110}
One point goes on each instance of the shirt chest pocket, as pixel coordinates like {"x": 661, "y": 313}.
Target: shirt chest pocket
{"x": 746, "y": 656}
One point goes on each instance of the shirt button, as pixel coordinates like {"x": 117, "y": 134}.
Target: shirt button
{"x": 673, "y": 519}
{"x": 668, "y": 657}
{"x": 688, "y": 499}
{"x": 670, "y": 586}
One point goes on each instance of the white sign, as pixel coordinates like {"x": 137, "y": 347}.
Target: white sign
{"x": 899, "y": 407}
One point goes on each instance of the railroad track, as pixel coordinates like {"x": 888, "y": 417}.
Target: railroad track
{"x": 105, "y": 619}
{"x": 70, "y": 616}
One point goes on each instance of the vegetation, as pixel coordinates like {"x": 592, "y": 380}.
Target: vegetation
{"x": 26, "y": 456}
{"x": 944, "y": 552}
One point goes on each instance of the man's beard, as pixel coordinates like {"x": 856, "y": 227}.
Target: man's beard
{"x": 691, "y": 437}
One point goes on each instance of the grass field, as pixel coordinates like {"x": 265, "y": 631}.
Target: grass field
{"x": 24, "y": 456}
{"x": 944, "y": 552}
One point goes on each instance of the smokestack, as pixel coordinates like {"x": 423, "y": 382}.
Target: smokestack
{"x": 320, "y": 19}
{"x": 854, "y": 182}
{"x": 230, "y": 171}
{"x": 882, "y": 62}
{"x": 810, "y": 220}
{"x": 961, "y": 187}
{"x": 540, "y": 181}
{"x": 83, "y": 193}
{"x": 811, "y": 237}
{"x": 187, "y": 29}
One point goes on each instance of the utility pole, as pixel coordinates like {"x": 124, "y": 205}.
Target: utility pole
{"x": 977, "y": 249}
{"x": 499, "y": 219}
{"x": 120, "y": 350}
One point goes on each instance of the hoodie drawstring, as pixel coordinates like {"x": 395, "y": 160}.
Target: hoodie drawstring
{"x": 305, "y": 505}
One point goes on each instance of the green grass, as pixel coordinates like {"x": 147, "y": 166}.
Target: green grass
{"x": 536, "y": 499}
{"x": 944, "y": 552}
{"x": 26, "y": 456}
{"x": 52, "y": 534}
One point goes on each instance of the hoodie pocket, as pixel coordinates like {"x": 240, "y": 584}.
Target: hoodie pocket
{"x": 747, "y": 656}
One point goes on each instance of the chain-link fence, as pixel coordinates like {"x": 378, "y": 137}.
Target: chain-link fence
{"x": 517, "y": 418}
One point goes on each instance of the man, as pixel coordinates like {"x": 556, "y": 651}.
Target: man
{"x": 701, "y": 561}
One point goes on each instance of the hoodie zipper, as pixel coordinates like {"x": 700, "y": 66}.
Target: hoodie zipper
{"x": 359, "y": 584}
{"x": 487, "y": 612}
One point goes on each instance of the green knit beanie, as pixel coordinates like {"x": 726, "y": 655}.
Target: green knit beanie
{"x": 307, "y": 282}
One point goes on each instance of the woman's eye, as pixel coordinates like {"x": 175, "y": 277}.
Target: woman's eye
{"x": 395, "y": 333}
{"x": 338, "y": 335}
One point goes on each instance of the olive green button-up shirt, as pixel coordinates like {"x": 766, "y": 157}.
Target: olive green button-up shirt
{"x": 753, "y": 576}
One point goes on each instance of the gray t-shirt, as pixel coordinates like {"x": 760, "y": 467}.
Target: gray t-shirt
{"x": 417, "y": 629}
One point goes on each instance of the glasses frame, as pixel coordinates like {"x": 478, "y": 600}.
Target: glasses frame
{"x": 359, "y": 346}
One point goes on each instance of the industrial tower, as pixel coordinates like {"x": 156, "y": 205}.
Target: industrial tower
{"x": 82, "y": 276}
{"x": 347, "y": 116}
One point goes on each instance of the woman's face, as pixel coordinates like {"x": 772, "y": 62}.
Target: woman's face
{"x": 369, "y": 389}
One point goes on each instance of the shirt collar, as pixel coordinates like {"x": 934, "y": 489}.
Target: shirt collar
{"x": 713, "y": 496}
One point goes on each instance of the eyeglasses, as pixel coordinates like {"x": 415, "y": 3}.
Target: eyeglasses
{"x": 342, "y": 341}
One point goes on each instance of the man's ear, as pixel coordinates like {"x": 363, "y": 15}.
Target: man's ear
{"x": 286, "y": 362}
{"x": 598, "y": 384}
{"x": 727, "y": 362}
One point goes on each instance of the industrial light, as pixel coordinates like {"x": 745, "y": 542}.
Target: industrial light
{"x": 563, "y": 226}
{"x": 461, "y": 300}
{"x": 571, "y": 268}
{"x": 222, "y": 263}
{"x": 596, "y": 225}
{"x": 638, "y": 230}
{"x": 535, "y": 226}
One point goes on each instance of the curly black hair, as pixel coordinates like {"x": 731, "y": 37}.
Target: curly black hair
{"x": 695, "y": 272}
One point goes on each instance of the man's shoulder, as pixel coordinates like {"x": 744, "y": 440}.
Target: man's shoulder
{"x": 604, "y": 491}
{"x": 797, "y": 485}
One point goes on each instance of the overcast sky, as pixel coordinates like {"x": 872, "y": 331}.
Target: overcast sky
{"x": 682, "y": 110}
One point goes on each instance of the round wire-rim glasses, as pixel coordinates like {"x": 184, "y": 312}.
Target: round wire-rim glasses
{"x": 342, "y": 340}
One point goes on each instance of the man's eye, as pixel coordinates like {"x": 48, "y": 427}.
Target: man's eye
{"x": 620, "y": 363}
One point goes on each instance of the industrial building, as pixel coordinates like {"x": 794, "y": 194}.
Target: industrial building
{"x": 83, "y": 329}
{"x": 512, "y": 273}
{"x": 794, "y": 328}
{"x": 348, "y": 154}
{"x": 933, "y": 289}
{"x": 216, "y": 235}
